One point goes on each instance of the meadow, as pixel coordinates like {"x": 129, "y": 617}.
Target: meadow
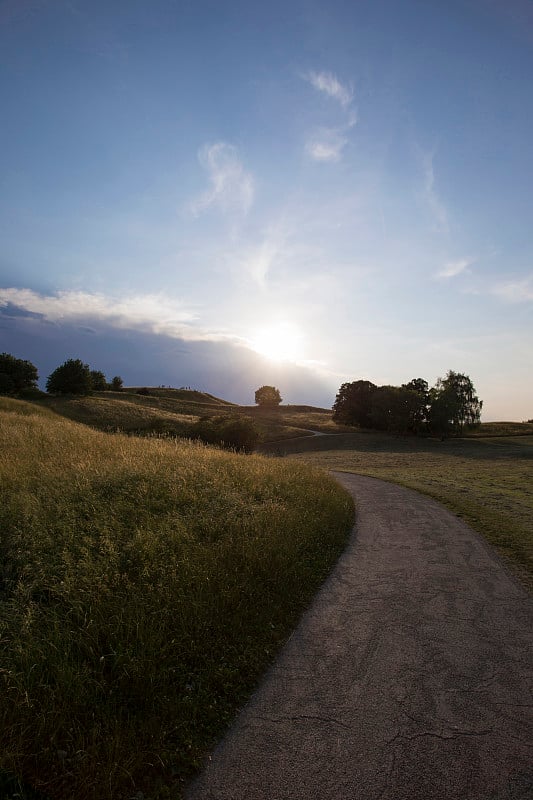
{"x": 488, "y": 481}
{"x": 145, "y": 585}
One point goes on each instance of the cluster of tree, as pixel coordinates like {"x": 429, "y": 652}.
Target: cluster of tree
{"x": 446, "y": 409}
{"x": 268, "y": 396}
{"x": 75, "y": 377}
{"x": 232, "y": 432}
{"x": 16, "y": 375}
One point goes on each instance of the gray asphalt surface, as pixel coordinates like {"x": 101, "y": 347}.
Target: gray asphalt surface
{"x": 410, "y": 676}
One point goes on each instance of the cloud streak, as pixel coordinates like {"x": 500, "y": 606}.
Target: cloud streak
{"x": 328, "y": 83}
{"x": 454, "y": 268}
{"x": 231, "y": 187}
{"x": 326, "y": 145}
{"x": 520, "y": 291}
{"x": 432, "y": 199}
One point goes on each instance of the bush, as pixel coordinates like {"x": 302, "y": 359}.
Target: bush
{"x": 143, "y": 391}
{"x": 232, "y": 433}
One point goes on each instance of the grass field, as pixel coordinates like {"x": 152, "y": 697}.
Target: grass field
{"x": 145, "y": 584}
{"x": 487, "y": 481}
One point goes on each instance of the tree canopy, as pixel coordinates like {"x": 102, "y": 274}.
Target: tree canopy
{"x": 268, "y": 396}
{"x": 72, "y": 377}
{"x": 16, "y": 374}
{"x": 447, "y": 409}
{"x": 98, "y": 380}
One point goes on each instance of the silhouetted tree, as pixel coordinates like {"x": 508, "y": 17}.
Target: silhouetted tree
{"x": 353, "y": 404}
{"x": 72, "y": 377}
{"x": 268, "y": 396}
{"x": 454, "y": 404}
{"x": 99, "y": 383}
{"x": 16, "y": 374}
{"x": 393, "y": 409}
{"x": 420, "y": 414}
{"x": 116, "y": 384}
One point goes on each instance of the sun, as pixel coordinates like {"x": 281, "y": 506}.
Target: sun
{"x": 279, "y": 342}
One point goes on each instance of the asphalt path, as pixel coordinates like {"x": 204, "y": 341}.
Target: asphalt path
{"x": 409, "y": 678}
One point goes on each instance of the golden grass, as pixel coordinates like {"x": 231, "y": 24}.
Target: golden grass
{"x": 145, "y": 585}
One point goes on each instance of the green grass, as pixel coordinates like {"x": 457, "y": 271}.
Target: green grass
{"x": 488, "y": 482}
{"x": 145, "y": 585}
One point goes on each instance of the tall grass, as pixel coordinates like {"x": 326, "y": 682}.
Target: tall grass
{"x": 145, "y": 584}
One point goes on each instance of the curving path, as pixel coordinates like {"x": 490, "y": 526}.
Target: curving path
{"x": 409, "y": 678}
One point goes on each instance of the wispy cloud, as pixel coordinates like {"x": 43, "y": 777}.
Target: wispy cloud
{"x": 430, "y": 195}
{"x": 519, "y": 291}
{"x": 231, "y": 187}
{"x": 330, "y": 85}
{"x": 326, "y": 144}
{"x": 154, "y": 313}
{"x": 453, "y": 268}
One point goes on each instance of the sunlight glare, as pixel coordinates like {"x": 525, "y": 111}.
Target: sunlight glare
{"x": 280, "y": 342}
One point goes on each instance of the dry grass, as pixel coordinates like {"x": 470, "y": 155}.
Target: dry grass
{"x": 145, "y": 585}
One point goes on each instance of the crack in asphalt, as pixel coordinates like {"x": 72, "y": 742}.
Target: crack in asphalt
{"x": 419, "y": 636}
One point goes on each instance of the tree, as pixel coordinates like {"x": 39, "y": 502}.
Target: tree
{"x": 420, "y": 413}
{"x": 454, "y": 404}
{"x": 393, "y": 409}
{"x": 268, "y": 396}
{"x": 98, "y": 379}
{"x": 16, "y": 374}
{"x": 353, "y": 404}
{"x": 116, "y": 384}
{"x": 72, "y": 377}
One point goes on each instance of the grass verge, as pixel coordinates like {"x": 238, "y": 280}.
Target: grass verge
{"x": 145, "y": 585}
{"x": 488, "y": 482}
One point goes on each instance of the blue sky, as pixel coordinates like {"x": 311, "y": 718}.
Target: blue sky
{"x": 300, "y": 193}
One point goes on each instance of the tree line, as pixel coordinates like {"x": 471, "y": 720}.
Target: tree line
{"x": 18, "y": 376}
{"x": 446, "y": 409}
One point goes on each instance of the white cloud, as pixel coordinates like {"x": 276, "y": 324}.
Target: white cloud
{"x": 154, "y": 313}
{"x": 231, "y": 186}
{"x": 329, "y": 84}
{"x": 520, "y": 291}
{"x": 454, "y": 268}
{"x": 326, "y": 144}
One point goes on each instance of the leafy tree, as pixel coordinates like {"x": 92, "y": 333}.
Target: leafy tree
{"x": 98, "y": 379}
{"x": 268, "y": 396}
{"x": 454, "y": 404}
{"x": 353, "y": 404}
{"x": 72, "y": 377}
{"x": 420, "y": 413}
{"x": 393, "y": 409}
{"x": 116, "y": 384}
{"x": 16, "y": 374}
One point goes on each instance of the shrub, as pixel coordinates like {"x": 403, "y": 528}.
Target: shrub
{"x": 232, "y": 433}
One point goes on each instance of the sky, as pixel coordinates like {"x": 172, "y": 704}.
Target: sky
{"x": 229, "y": 194}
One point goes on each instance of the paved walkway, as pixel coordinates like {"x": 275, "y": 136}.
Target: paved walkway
{"x": 409, "y": 678}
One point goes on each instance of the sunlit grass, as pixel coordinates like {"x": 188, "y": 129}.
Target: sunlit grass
{"x": 145, "y": 586}
{"x": 488, "y": 482}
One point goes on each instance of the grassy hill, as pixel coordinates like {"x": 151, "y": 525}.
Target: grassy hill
{"x": 145, "y": 584}
{"x": 175, "y": 411}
